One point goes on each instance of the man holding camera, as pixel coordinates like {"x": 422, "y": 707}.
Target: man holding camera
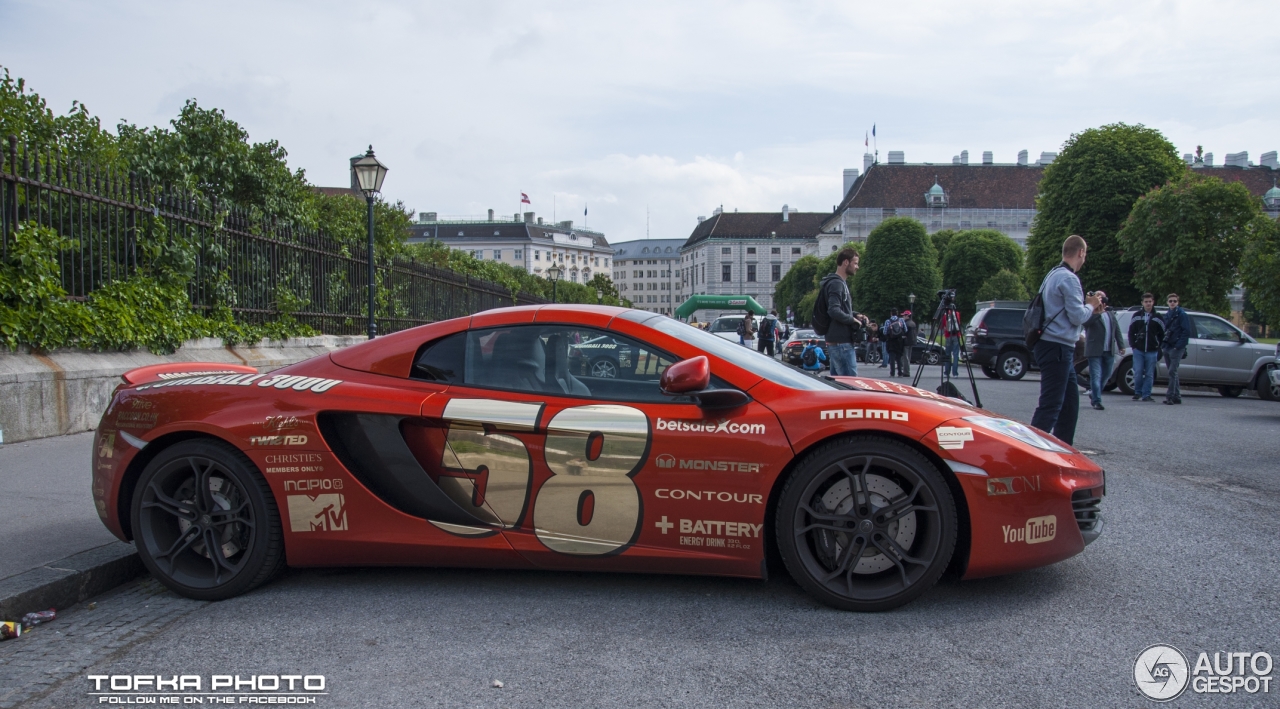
{"x": 1066, "y": 310}
{"x": 1102, "y": 343}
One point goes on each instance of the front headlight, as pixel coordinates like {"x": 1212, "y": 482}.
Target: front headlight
{"x": 1016, "y": 431}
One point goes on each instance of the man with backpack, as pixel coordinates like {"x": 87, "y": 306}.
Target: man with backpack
{"x": 894, "y": 333}
{"x": 834, "y": 317}
{"x": 1062, "y": 310}
{"x": 812, "y": 358}
{"x": 747, "y": 330}
{"x": 769, "y": 331}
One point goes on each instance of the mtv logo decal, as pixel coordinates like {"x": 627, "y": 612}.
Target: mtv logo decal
{"x": 317, "y": 513}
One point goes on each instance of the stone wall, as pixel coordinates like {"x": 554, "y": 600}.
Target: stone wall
{"x": 66, "y": 391}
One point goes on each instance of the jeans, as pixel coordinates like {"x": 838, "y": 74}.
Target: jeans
{"x": 1059, "y": 405}
{"x": 765, "y": 347}
{"x": 1173, "y": 358}
{"x": 1144, "y": 372}
{"x": 905, "y": 368}
{"x": 895, "y": 363}
{"x": 953, "y": 357}
{"x": 1099, "y": 370}
{"x": 884, "y": 354}
{"x": 843, "y": 358}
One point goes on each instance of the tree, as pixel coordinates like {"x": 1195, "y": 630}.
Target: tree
{"x": 793, "y": 287}
{"x": 1005, "y": 285}
{"x": 941, "y": 239}
{"x": 1187, "y": 238}
{"x": 900, "y": 260}
{"x": 1089, "y": 190}
{"x": 973, "y": 257}
{"x": 1260, "y": 269}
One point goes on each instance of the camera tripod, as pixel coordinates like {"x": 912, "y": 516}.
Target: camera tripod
{"x": 947, "y": 317}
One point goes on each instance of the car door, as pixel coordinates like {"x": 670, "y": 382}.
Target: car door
{"x": 1221, "y": 355}
{"x": 579, "y": 470}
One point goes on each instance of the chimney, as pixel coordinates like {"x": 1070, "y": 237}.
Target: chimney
{"x": 426, "y": 216}
{"x": 955, "y": 159}
{"x": 1046, "y": 158}
{"x": 528, "y": 217}
{"x": 355, "y": 184}
{"x": 867, "y": 161}
{"x": 1238, "y": 159}
{"x": 701, "y": 219}
{"x": 1271, "y": 160}
{"x": 717, "y": 210}
{"x": 988, "y": 158}
{"x": 850, "y": 177}
{"x": 515, "y": 217}
{"x": 539, "y": 221}
{"x": 1208, "y": 159}
{"x": 490, "y": 215}
{"x": 786, "y": 214}
{"x": 1022, "y": 157}
{"x": 568, "y": 225}
{"x": 1188, "y": 158}
{"x": 964, "y": 157}
{"x": 897, "y": 157}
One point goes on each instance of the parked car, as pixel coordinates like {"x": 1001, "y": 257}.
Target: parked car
{"x": 727, "y": 327}
{"x": 995, "y": 342}
{"x": 794, "y": 346}
{"x": 922, "y": 353}
{"x": 1219, "y": 355}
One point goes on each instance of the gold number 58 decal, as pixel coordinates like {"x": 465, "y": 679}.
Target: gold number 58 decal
{"x": 590, "y": 505}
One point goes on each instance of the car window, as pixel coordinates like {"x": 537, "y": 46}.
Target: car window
{"x": 977, "y": 318}
{"x": 726, "y": 324}
{"x": 1210, "y": 328}
{"x": 1003, "y": 319}
{"x": 745, "y": 357}
{"x": 561, "y": 360}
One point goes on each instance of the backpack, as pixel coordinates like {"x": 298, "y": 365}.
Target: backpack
{"x": 821, "y": 318}
{"x": 809, "y": 357}
{"x": 1033, "y": 323}
{"x": 742, "y": 329}
{"x": 897, "y": 328}
{"x": 768, "y": 329}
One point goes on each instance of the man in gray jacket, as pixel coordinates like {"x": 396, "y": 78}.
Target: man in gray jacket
{"x": 1102, "y": 343}
{"x": 845, "y": 322}
{"x": 1065, "y": 311}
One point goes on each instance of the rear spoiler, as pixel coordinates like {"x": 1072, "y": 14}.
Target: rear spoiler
{"x": 175, "y": 370}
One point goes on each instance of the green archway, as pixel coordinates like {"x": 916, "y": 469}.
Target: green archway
{"x": 719, "y": 302}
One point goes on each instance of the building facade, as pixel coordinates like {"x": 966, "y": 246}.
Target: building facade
{"x": 745, "y": 253}
{"x": 646, "y": 273}
{"x": 523, "y": 241}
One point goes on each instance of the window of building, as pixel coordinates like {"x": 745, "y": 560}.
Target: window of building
{"x": 935, "y": 224}
{"x": 991, "y": 224}
{"x": 459, "y": 233}
{"x": 776, "y": 251}
{"x": 966, "y": 225}
{"x": 726, "y": 250}
{"x": 478, "y": 253}
{"x": 751, "y": 273}
{"x": 726, "y": 272}
{"x": 537, "y": 255}
{"x": 776, "y": 272}
{"x": 519, "y": 254}
{"x": 497, "y": 254}
{"x": 795, "y": 250}
{"x": 751, "y": 249}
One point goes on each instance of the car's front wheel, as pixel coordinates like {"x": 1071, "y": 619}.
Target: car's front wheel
{"x": 866, "y": 524}
{"x": 1266, "y": 390}
{"x": 1124, "y": 378}
{"x": 932, "y": 357}
{"x": 604, "y": 368}
{"x": 1012, "y": 365}
{"x": 205, "y": 522}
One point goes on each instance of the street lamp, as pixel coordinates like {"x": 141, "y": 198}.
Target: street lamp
{"x": 599, "y": 296}
{"x": 554, "y": 274}
{"x": 369, "y": 175}
{"x": 912, "y": 299}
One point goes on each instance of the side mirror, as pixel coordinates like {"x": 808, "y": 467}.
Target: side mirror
{"x": 686, "y": 376}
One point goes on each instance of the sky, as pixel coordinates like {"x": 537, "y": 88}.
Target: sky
{"x": 651, "y": 114}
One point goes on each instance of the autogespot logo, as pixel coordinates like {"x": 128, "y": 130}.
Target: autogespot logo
{"x": 1161, "y": 672}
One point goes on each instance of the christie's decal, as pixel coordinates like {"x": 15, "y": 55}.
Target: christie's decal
{"x": 888, "y": 414}
{"x": 316, "y": 385}
{"x": 720, "y": 426}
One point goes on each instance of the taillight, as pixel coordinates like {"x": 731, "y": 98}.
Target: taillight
{"x": 981, "y": 331}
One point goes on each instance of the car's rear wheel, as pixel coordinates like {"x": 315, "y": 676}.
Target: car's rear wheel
{"x": 205, "y": 522}
{"x": 866, "y": 524}
{"x": 1012, "y": 365}
{"x": 932, "y": 357}
{"x": 1124, "y": 378}
{"x": 990, "y": 371}
{"x": 1266, "y": 390}
{"x": 604, "y": 368}
{"x": 1230, "y": 392}
{"x": 873, "y": 356}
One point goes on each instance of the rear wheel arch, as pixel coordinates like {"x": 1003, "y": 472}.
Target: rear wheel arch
{"x": 959, "y": 558}
{"x": 129, "y": 480}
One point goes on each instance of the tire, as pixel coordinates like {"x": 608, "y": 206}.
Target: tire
{"x": 1124, "y": 378}
{"x": 1230, "y": 392}
{"x": 932, "y": 357}
{"x": 166, "y": 508}
{"x": 1266, "y": 390}
{"x": 990, "y": 371}
{"x": 899, "y": 559}
{"x": 873, "y": 356}
{"x": 604, "y": 368}
{"x": 1012, "y": 365}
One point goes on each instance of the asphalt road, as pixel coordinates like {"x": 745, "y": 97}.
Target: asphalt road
{"x": 1189, "y": 557}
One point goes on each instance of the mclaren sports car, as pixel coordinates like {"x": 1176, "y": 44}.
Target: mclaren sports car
{"x": 498, "y": 440}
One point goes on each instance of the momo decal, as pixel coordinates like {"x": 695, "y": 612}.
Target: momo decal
{"x": 1037, "y": 531}
{"x": 666, "y": 461}
{"x": 298, "y": 440}
{"x": 1012, "y": 486}
{"x": 317, "y": 513}
{"x": 718, "y": 426}
{"x": 663, "y": 493}
{"x": 887, "y": 414}
{"x": 953, "y": 437}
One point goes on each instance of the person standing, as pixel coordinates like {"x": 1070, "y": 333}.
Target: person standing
{"x": 747, "y": 330}
{"x": 1177, "y": 333}
{"x": 909, "y": 342}
{"x": 1066, "y": 309}
{"x": 951, "y": 334}
{"x": 1146, "y": 333}
{"x": 845, "y": 322}
{"x": 873, "y": 341}
{"x": 1101, "y": 345}
{"x": 895, "y": 329}
{"x": 768, "y": 333}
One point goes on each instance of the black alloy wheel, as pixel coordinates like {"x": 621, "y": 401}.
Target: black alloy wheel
{"x": 1012, "y": 365}
{"x": 604, "y": 368}
{"x": 205, "y": 522}
{"x": 932, "y": 357}
{"x": 990, "y": 371}
{"x": 873, "y": 355}
{"x": 866, "y": 524}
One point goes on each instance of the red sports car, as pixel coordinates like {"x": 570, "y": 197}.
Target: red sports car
{"x": 497, "y": 440}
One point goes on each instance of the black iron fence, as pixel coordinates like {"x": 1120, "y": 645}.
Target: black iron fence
{"x": 257, "y": 269}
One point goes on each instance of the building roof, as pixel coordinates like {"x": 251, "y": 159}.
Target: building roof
{"x": 648, "y": 248}
{"x": 758, "y": 225}
{"x": 514, "y": 231}
{"x": 885, "y": 186}
{"x": 1257, "y": 179}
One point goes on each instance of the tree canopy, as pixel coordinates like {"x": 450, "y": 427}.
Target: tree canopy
{"x": 1005, "y": 285}
{"x": 1260, "y": 269}
{"x": 941, "y": 239}
{"x": 795, "y": 285}
{"x": 1187, "y": 237}
{"x": 1089, "y": 190}
{"x": 973, "y": 257}
{"x": 899, "y": 260}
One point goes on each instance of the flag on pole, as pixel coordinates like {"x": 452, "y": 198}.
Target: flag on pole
{"x": 524, "y": 199}
{"x": 866, "y": 141}
{"x": 873, "y": 129}
{"x": 584, "y": 211}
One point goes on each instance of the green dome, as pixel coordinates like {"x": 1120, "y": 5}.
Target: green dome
{"x": 1272, "y": 194}
{"x": 937, "y": 189}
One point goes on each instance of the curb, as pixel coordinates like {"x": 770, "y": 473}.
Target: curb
{"x": 66, "y": 582}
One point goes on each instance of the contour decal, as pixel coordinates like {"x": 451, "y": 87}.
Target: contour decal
{"x": 663, "y": 493}
{"x": 953, "y": 437}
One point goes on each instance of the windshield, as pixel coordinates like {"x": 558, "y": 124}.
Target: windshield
{"x": 726, "y": 324}
{"x": 744, "y": 357}
{"x": 803, "y": 335}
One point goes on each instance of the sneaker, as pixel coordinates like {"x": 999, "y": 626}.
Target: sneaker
{"x": 1177, "y": 401}
{"x": 1169, "y": 402}
{"x": 1147, "y": 398}
{"x": 1135, "y": 397}
{"x": 1099, "y": 407}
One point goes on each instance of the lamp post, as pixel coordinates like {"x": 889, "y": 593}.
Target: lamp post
{"x": 369, "y": 175}
{"x": 599, "y": 296}
{"x": 912, "y": 299}
{"x": 554, "y": 274}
